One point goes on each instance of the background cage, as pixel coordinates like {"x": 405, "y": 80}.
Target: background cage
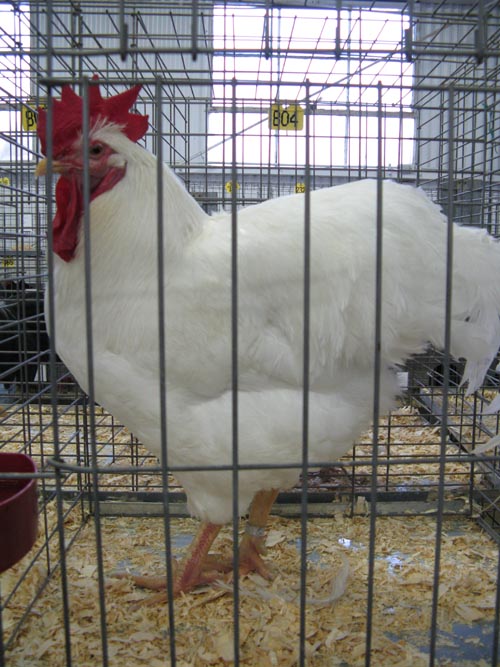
{"x": 238, "y": 77}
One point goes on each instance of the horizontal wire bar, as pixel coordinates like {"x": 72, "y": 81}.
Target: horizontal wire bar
{"x": 144, "y": 470}
{"x": 150, "y": 81}
{"x": 278, "y": 52}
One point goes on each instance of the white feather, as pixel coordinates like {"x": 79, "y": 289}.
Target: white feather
{"x": 197, "y": 267}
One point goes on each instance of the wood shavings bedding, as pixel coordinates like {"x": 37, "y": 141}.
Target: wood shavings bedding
{"x": 405, "y": 434}
{"x": 269, "y": 612}
{"x": 32, "y": 430}
{"x": 467, "y": 419}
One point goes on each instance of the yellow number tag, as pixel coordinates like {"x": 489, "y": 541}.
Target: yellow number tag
{"x": 8, "y": 262}
{"x": 229, "y": 186}
{"x": 29, "y": 118}
{"x": 290, "y": 118}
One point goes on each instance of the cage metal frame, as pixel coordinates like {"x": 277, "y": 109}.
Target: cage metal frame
{"x": 89, "y": 472}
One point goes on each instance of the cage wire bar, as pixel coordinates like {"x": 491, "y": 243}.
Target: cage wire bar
{"x": 407, "y": 91}
{"x": 162, "y": 374}
{"x": 235, "y": 412}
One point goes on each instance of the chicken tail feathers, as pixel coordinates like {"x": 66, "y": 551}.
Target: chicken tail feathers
{"x": 475, "y": 335}
{"x": 486, "y": 343}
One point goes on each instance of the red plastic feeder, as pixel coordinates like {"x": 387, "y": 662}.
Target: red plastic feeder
{"x": 18, "y": 509}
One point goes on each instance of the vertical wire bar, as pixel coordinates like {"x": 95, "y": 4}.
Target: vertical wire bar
{"x": 338, "y": 29}
{"x": 163, "y": 370}
{"x": 123, "y": 31}
{"x": 496, "y": 621}
{"x": 234, "y": 369}
{"x": 90, "y": 364}
{"x": 51, "y": 317}
{"x": 194, "y": 29}
{"x": 377, "y": 367}
{"x": 480, "y": 37}
{"x": 224, "y": 99}
{"x": 446, "y": 381}
{"x": 408, "y": 33}
{"x": 267, "y": 32}
{"x": 305, "y": 385}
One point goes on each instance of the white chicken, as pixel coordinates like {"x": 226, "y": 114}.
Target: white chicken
{"x": 197, "y": 268}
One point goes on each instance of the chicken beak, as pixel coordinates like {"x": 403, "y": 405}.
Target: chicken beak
{"x": 42, "y": 167}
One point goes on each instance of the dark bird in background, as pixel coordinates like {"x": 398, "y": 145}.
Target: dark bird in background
{"x": 24, "y": 343}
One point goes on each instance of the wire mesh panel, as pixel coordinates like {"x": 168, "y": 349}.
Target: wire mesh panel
{"x": 385, "y": 554}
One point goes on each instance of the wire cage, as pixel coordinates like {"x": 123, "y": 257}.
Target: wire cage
{"x": 248, "y": 102}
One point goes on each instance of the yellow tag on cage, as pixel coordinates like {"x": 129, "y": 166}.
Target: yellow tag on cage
{"x": 29, "y": 118}
{"x": 229, "y": 186}
{"x": 288, "y": 119}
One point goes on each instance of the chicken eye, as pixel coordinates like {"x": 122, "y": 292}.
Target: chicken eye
{"x": 96, "y": 149}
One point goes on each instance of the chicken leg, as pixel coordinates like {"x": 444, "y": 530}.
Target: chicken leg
{"x": 251, "y": 547}
{"x": 199, "y": 568}
{"x": 252, "y": 543}
{"x": 195, "y": 569}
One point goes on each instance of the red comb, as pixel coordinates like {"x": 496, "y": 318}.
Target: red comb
{"x": 67, "y": 116}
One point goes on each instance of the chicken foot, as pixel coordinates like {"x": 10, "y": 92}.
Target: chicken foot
{"x": 252, "y": 545}
{"x": 196, "y": 568}
{"x": 199, "y": 568}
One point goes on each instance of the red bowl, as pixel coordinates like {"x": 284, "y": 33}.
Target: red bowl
{"x": 18, "y": 509}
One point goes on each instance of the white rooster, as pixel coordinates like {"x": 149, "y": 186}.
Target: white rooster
{"x": 197, "y": 267}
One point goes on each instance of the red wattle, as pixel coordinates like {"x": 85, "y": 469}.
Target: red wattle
{"x": 69, "y": 202}
{"x": 67, "y": 219}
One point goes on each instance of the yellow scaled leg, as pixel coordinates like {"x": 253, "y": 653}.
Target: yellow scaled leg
{"x": 252, "y": 545}
{"x": 199, "y": 568}
{"x": 195, "y": 569}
